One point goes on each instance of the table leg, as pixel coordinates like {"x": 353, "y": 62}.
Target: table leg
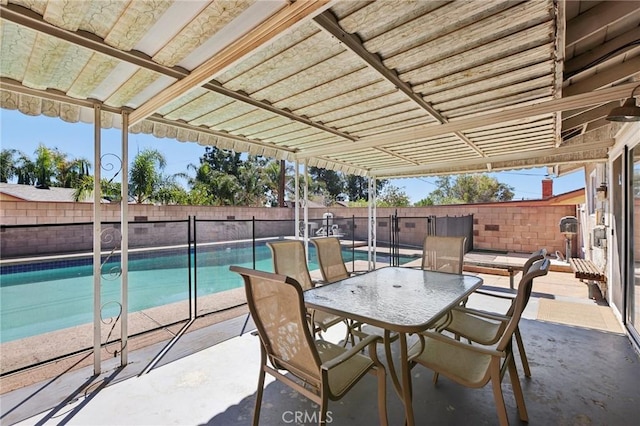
{"x": 402, "y": 389}
{"x": 512, "y": 272}
{"x": 391, "y": 367}
{"x": 406, "y": 381}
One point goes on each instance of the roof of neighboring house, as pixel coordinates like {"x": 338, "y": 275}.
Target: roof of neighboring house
{"x": 572, "y": 197}
{"x": 31, "y": 193}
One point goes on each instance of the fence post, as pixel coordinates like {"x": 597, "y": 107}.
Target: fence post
{"x": 195, "y": 268}
{"x": 189, "y": 243}
{"x": 253, "y": 239}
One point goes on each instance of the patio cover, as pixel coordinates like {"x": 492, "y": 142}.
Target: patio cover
{"x": 387, "y": 88}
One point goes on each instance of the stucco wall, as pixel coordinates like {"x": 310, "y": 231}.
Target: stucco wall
{"x": 518, "y": 226}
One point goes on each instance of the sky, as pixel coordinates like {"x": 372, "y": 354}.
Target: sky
{"x": 25, "y": 133}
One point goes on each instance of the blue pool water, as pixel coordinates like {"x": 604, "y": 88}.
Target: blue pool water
{"x": 41, "y": 298}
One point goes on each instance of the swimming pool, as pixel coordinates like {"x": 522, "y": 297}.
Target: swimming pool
{"x": 45, "y": 297}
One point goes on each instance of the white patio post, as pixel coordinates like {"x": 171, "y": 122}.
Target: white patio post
{"x": 297, "y": 199}
{"x": 124, "y": 244}
{"x": 372, "y": 212}
{"x": 306, "y": 209}
{"x": 97, "y": 219}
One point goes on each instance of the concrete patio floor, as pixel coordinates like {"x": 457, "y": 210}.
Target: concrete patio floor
{"x": 584, "y": 372}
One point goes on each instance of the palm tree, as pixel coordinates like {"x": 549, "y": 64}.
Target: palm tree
{"x": 145, "y": 175}
{"x": 25, "y": 170}
{"x": 45, "y": 165}
{"x": 70, "y": 172}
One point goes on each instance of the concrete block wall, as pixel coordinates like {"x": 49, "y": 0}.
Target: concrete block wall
{"x": 519, "y": 226}
{"x": 516, "y": 226}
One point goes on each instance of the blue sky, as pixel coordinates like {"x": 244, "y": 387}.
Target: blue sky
{"x": 25, "y": 133}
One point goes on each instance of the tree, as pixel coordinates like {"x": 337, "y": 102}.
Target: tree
{"x": 109, "y": 190}
{"x": 331, "y": 181}
{"x": 70, "y": 172}
{"x": 222, "y": 160}
{"x": 468, "y": 189}
{"x": 25, "y": 170}
{"x": 145, "y": 175}
{"x": 357, "y": 187}
{"x": 45, "y": 165}
{"x": 8, "y": 166}
{"x": 276, "y": 174}
{"x": 392, "y": 196}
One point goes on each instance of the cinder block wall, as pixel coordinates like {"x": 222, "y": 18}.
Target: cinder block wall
{"x": 517, "y": 226}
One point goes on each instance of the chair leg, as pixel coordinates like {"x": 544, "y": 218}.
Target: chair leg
{"x": 435, "y": 377}
{"x": 256, "y": 409}
{"x": 382, "y": 395}
{"x": 523, "y": 354}
{"x": 517, "y": 390}
{"x": 497, "y": 393}
{"x": 323, "y": 411}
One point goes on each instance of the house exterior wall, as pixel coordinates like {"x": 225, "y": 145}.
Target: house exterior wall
{"x": 517, "y": 226}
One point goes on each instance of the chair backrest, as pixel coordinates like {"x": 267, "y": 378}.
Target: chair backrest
{"x": 330, "y": 259}
{"x": 535, "y": 256}
{"x": 289, "y": 258}
{"x": 444, "y": 254}
{"x": 537, "y": 269}
{"x": 277, "y": 308}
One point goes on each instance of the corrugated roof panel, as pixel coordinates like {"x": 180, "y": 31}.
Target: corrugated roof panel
{"x": 481, "y": 96}
{"x": 505, "y": 80}
{"x": 390, "y": 122}
{"x": 501, "y": 66}
{"x": 518, "y": 42}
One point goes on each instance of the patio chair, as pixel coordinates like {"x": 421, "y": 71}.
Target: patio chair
{"x": 473, "y": 365}
{"x": 319, "y": 370}
{"x": 444, "y": 254}
{"x": 289, "y": 258}
{"x": 482, "y": 327}
{"x": 329, "y": 252}
{"x": 332, "y": 267}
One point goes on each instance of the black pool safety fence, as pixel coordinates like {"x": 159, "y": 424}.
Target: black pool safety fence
{"x": 177, "y": 271}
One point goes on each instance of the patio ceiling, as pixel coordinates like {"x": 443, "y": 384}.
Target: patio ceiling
{"x": 385, "y": 88}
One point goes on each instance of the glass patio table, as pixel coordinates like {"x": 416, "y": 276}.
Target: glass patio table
{"x": 398, "y": 300}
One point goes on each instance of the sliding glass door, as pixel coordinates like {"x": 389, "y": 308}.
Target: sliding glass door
{"x": 633, "y": 270}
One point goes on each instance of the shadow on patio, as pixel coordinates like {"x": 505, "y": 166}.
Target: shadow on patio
{"x": 580, "y": 375}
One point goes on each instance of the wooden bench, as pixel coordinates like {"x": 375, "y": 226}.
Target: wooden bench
{"x": 512, "y": 269}
{"x": 586, "y": 270}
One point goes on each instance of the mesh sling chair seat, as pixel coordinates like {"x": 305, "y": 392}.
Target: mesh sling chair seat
{"x": 485, "y": 327}
{"x": 319, "y": 370}
{"x": 473, "y": 365}
{"x": 289, "y": 258}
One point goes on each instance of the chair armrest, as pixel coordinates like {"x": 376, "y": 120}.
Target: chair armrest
{"x": 493, "y": 294}
{"x": 462, "y": 345}
{"x": 354, "y": 350}
{"x": 482, "y": 314}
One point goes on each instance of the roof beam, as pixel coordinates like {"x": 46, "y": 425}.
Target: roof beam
{"x": 597, "y": 18}
{"x": 421, "y": 132}
{"x": 606, "y": 51}
{"x": 272, "y": 27}
{"x": 612, "y": 75}
{"x": 589, "y": 115}
{"x": 27, "y": 18}
{"x": 594, "y": 151}
{"x": 327, "y": 21}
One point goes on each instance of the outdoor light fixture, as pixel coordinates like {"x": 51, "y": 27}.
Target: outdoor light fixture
{"x": 628, "y": 111}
